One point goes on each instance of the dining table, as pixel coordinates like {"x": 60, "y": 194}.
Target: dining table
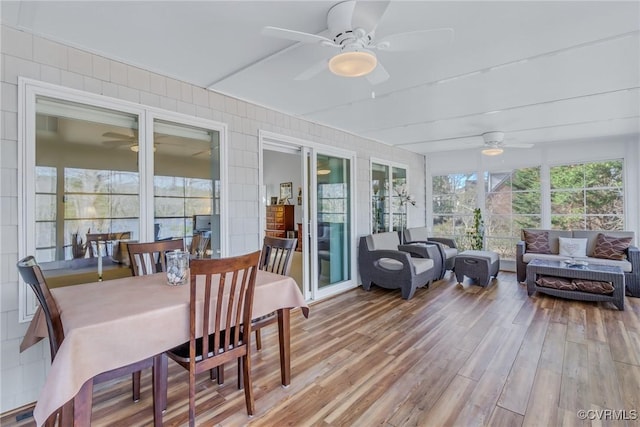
{"x": 115, "y": 323}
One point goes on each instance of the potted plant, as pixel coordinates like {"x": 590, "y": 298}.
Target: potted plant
{"x": 475, "y": 235}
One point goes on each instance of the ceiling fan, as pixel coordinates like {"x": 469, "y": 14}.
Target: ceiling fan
{"x": 126, "y": 140}
{"x": 351, "y": 28}
{"x": 494, "y": 143}
{"x": 121, "y": 139}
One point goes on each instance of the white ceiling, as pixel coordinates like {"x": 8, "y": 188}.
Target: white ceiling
{"x": 539, "y": 71}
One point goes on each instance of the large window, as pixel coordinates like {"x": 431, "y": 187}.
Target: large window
{"x": 512, "y": 202}
{"x": 86, "y": 180}
{"x": 88, "y": 183}
{"x": 587, "y": 196}
{"x": 454, "y": 199}
{"x": 389, "y": 191}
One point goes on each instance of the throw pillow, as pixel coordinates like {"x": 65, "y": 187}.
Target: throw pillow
{"x": 537, "y": 242}
{"x": 593, "y": 286}
{"x": 610, "y": 247}
{"x": 556, "y": 283}
{"x": 575, "y": 248}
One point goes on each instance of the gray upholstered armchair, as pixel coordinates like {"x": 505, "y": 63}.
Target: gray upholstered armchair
{"x": 383, "y": 261}
{"x": 447, "y": 247}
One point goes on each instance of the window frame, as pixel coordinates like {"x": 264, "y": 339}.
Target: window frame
{"x": 28, "y": 91}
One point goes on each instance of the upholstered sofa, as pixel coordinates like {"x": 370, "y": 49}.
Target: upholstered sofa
{"x": 615, "y": 248}
{"x": 383, "y": 261}
{"x": 447, "y": 247}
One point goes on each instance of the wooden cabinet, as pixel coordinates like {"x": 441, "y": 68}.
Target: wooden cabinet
{"x": 280, "y": 219}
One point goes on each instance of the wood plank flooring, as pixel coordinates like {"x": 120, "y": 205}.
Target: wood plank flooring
{"x": 450, "y": 356}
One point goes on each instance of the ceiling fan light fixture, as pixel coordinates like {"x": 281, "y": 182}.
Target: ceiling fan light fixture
{"x": 492, "y": 151}
{"x": 136, "y": 148}
{"x": 353, "y": 63}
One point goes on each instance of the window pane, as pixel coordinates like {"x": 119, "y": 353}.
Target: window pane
{"x": 513, "y": 196}
{"x": 604, "y": 201}
{"x": 567, "y": 176}
{"x": 45, "y": 234}
{"x": 86, "y": 181}
{"x": 169, "y": 207}
{"x": 198, "y": 187}
{"x": 604, "y": 174}
{"x": 168, "y": 186}
{"x": 526, "y": 202}
{"x": 187, "y": 164}
{"x": 124, "y": 206}
{"x": 45, "y": 207}
{"x": 605, "y": 222}
{"x": 84, "y": 166}
{"x": 46, "y": 180}
{"x": 566, "y": 202}
{"x": 380, "y": 176}
{"x": 87, "y": 206}
{"x": 596, "y": 202}
{"x": 526, "y": 179}
{"x": 569, "y": 222}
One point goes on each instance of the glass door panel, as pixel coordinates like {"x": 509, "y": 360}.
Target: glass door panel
{"x": 186, "y": 185}
{"x": 333, "y": 219}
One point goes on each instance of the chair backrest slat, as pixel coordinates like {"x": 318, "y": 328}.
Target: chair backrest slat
{"x": 277, "y": 255}
{"x": 150, "y": 258}
{"x": 32, "y": 275}
{"x": 235, "y": 279}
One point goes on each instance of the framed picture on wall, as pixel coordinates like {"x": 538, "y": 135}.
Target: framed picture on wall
{"x": 286, "y": 190}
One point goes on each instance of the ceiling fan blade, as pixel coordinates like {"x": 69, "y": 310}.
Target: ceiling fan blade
{"x": 298, "y": 36}
{"x": 378, "y": 75}
{"x": 117, "y": 135}
{"x": 416, "y": 40}
{"x": 312, "y": 71}
{"x": 367, "y": 14}
{"x": 518, "y": 145}
{"x": 118, "y": 142}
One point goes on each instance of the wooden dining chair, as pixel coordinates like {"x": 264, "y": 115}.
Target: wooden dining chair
{"x": 276, "y": 257}
{"x": 150, "y": 258}
{"x": 220, "y": 305}
{"x": 32, "y": 275}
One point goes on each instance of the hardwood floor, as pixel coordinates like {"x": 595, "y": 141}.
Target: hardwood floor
{"x": 449, "y": 356}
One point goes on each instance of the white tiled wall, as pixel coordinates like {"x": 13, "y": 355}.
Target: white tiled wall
{"x": 26, "y": 55}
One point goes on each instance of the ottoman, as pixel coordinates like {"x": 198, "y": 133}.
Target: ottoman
{"x": 477, "y": 265}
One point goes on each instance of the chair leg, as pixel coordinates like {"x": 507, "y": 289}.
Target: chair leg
{"x": 258, "y": 340}
{"x": 192, "y": 398}
{"x": 240, "y": 376}
{"x": 248, "y": 386}
{"x": 135, "y": 378}
{"x": 220, "y": 374}
{"x": 65, "y": 417}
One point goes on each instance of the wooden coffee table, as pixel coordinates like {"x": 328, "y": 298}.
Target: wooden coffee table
{"x": 601, "y": 273}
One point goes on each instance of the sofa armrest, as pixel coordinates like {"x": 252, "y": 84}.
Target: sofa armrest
{"x": 444, "y": 240}
{"x": 633, "y": 255}
{"x": 521, "y": 266}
